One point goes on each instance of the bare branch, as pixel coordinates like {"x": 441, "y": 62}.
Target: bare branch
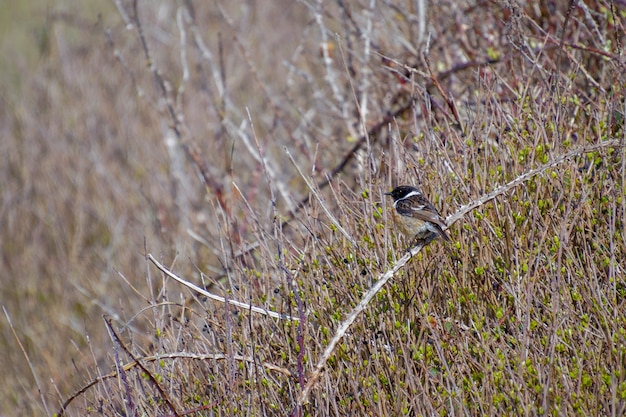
{"x": 217, "y": 297}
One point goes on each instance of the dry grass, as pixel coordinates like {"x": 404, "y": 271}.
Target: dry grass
{"x": 248, "y": 147}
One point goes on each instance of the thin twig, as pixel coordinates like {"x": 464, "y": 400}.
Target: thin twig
{"x": 129, "y": 406}
{"x": 145, "y": 370}
{"x": 217, "y": 297}
{"x": 30, "y": 364}
{"x": 447, "y": 97}
{"x": 316, "y": 193}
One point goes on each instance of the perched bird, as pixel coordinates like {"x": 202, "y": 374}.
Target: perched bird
{"x": 415, "y": 216}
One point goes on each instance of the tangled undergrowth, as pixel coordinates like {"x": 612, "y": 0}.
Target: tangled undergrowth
{"x": 247, "y": 148}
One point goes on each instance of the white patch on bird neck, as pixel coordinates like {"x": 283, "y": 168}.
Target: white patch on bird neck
{"x": 409, "y": 195}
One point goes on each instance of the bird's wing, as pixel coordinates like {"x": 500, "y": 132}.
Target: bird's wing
{"x": 420, "y": 208}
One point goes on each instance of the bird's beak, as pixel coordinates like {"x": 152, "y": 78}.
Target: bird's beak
{"x": 389, "y": 193}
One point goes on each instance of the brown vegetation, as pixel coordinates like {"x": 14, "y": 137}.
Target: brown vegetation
{"x": 247, "y": 147}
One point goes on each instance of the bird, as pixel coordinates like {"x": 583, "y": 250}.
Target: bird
{"x": 416, "y": 216}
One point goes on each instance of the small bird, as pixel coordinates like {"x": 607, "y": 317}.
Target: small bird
{"x": 415, "y": 216}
